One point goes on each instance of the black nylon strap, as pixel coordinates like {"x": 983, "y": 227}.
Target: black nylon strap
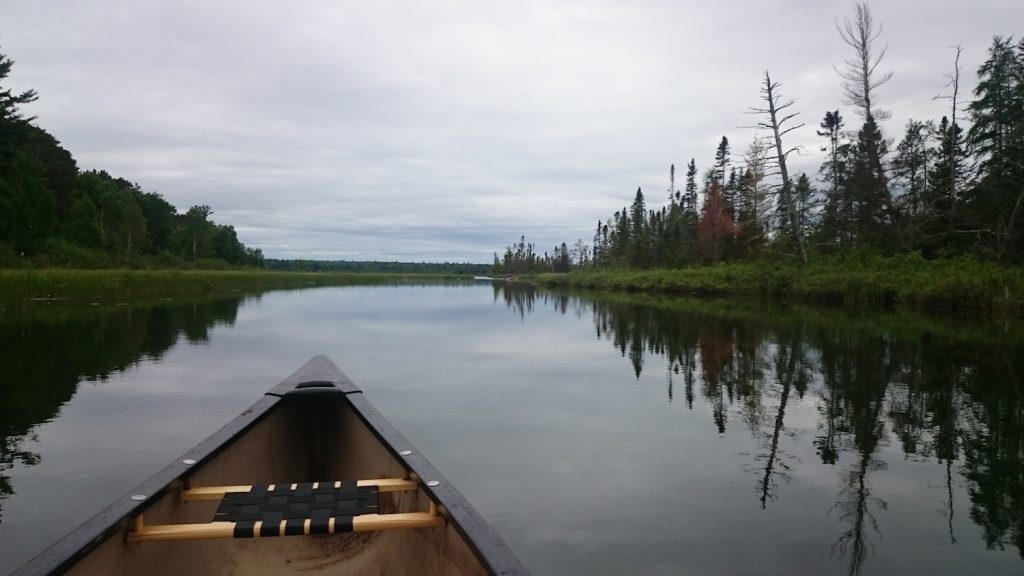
{"x": 294, "y": 507}
{"x": 320, "y": 522}
{"x": 244, "y": 529}
{"x": 295, "y": 527}
{"x": 271, "y": 524}
{"x": 342, "y": 524}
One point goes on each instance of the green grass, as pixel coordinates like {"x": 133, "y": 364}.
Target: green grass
{"x": 904, "y": 282}
{"x": 121, "y": 285}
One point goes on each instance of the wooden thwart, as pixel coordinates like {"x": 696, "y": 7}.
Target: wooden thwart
{"x": 220, "y": 529}
{"x": 218, "y": 492}
{"x": 213, "y": 530}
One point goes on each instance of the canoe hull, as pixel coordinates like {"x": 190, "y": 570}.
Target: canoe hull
{"x": 298, "y": 432}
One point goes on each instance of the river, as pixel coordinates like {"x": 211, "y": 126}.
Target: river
{"x": 597, "y": 434}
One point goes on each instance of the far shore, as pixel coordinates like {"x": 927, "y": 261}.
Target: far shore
{"x": 907, "y": 282}
{"x": 960, "y": 286}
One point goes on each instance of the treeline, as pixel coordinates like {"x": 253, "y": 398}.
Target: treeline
{"x": 53, "y": 214}
{"x": 299, "y": 265}
{"x": 522, "y": 258}
{"x": 946, "y": 189}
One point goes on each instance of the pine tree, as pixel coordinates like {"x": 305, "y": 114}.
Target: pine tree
{"x": 9, "y": 101}
{"x": 690, "y": 205}
{"x": 718, "y": 174}
{"x": 639, "y": 231}
{"x": 939, "y": 214}
{"x": 996, "y": 112}
{"x": 911, "y": 165}
{"x": 831, "y": 128}
{"x": 803, "y": 198}
{"x": 837, "y": 218}
{"x": 996, "y": 139}
{"x": 868, "y": 191}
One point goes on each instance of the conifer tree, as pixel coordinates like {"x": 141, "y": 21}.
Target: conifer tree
{"x": 639, "y": 231}
{"x": 691, "y": 186}
{"x": 868, "y": 191}
{"x": 719, "y": 174}
{"x": 912, "y": 163}
{"x": 939, "y": 214}
{"x": 10, "y": 101}
{"x": 997, "y": 141}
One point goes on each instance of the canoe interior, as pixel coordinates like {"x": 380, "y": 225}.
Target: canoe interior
{"x": 302, "y": 439}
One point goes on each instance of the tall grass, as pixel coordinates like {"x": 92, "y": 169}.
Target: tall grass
{"x": 906, "y": 281}
{"x": 114, "y": 285}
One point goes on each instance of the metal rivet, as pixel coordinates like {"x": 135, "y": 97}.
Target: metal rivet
{"x": 433, "y": 483}
{"x": 138, "y": 497}
{"x": 188, "y": 462}
{"x": 405, "y": 452}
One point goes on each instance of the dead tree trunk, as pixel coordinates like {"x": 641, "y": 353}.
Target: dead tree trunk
{"x": 770, "y": 94}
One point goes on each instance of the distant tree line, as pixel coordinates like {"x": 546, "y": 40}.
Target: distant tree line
{"x": 52, "y": 213}
{"x": 945, "y": 190}
{"x": 522, "y": 258}
{"x": 300, "y": 265}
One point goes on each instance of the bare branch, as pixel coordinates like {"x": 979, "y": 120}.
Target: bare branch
{"x": 790, "y": 129}
{"x": 859, "y": 76}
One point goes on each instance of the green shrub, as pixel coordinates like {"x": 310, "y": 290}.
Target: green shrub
{"x": 63, "y": 254}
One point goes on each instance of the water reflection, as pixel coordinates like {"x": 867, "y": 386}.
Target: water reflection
{"x": 47, "y": 349}
{"x": 932, "y": 391}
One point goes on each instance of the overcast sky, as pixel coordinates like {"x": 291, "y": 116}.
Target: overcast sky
{"x": 443, "y": 130}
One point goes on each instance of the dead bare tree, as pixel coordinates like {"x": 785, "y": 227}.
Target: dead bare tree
{"x": 770, "y": 94}
{"x": 859, "y": 74}
{"x": 953, "y": 81}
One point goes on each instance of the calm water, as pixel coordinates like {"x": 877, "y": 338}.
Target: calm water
{"x": 598, "y": 436}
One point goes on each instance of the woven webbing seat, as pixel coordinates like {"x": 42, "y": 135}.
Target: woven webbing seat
{"x": 305, "y": 508}
{"x": 294, "y": 504}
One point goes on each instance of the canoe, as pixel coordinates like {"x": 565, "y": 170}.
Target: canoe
{"x": 311, "y": 479}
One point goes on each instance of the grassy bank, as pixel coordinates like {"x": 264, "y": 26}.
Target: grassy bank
{"x": 119, "y": 285}
{"x": 905, "y": 282}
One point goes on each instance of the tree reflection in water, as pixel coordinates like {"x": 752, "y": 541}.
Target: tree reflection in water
{"x": 939, "y": 391}
{"x": 46, "y": 350}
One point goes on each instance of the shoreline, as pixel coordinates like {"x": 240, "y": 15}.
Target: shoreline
{"x": 118, "y": 284}
{"x": 906, "y": 282}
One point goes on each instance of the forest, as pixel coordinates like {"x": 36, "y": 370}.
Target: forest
{"x": 952, "y": 187}
{"x": 54, "y": 214}
{"x": 376, "y": 267}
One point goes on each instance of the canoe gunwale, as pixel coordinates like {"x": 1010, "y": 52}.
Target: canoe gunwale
{"x": 485, "y": 543}
{"x": 321, "y": 378}
{"x": 84, "y": 539}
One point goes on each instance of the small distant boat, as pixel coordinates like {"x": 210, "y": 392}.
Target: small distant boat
{"x": 309, "y": 480}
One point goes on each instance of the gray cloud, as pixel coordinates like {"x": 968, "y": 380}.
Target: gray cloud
{"x": 444, "y": 130}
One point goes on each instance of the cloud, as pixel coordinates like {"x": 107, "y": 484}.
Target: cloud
{"x": 444, "y": 130}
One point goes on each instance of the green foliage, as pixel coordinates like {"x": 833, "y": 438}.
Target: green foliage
{"x": 53, "y": 215}
{"x": 905, "y": 281}
{"x": 925, "y": 203}
{"x": 522, "y": 258}
{"x": 9, "y": 101}
{"x": 120, "y": 285}
{"x": 64, "y": 254}
{"x": 373, "y": 267}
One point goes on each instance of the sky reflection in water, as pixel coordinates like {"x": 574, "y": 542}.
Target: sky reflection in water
{"x": 605, "y": 436}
